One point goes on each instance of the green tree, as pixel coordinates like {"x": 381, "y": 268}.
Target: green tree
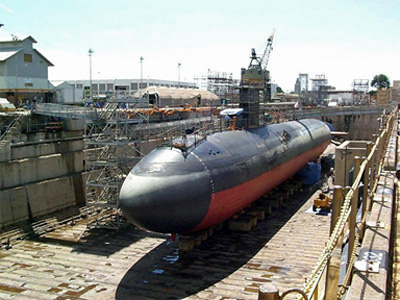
{"x": 279, "y": 89}
{"x": 380, "y": 81}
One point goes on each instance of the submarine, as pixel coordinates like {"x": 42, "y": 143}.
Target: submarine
{"x": 172, "y": 190}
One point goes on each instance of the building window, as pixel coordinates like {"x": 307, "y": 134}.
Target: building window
{"x": 28, "y": 58}
{"x": 28, "y": 84}
{"x": 79, "y": 86}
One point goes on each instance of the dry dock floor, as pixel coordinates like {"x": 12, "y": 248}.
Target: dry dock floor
{"x": 134, "y": 264}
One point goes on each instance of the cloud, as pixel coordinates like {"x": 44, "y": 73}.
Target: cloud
{"x": 4, "y": 35}
{"x": 6, "y": 8}
{"x": 68, "y": 36}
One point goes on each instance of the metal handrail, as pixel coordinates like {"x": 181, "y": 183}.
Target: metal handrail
{"x": 9, "y": 131}
{"x": 313, "y": 280}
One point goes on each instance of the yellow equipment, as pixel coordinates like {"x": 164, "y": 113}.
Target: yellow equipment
{"x": 323, "y": 202}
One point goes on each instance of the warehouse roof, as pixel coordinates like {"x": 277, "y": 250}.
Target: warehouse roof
{"x": 177, "y": 94}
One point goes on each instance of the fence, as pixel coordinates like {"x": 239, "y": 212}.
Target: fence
{"x": 344, "y": 214}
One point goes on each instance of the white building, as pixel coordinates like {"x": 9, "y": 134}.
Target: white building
{"x": 127, "y": 87}
{"x": 66, "y": 93}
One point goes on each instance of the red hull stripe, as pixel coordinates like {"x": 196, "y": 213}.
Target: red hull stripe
{"x": 226, "y": 203}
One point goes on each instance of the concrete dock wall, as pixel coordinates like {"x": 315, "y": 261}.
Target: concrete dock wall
{"x": 29, "y": 170}
{"x": 36, "y": 199}
{"x": 41, "y": 149}
{"x": 50, "y": 195}
{"x": 359, "y": 127}
{"x": 13, "y": 206}
{"x": 41, "y": 172}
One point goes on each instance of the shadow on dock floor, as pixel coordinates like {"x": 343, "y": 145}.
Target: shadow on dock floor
{"x": 167, "y": 273}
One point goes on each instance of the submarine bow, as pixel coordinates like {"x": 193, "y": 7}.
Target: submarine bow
{"x": 174, "y": 192}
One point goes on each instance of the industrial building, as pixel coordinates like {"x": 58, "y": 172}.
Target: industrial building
{"x": 395, "y": 91}
{"x": 125, "y": 87}
{"x": 23, "y": 71}
{"x": 348, "y": 97}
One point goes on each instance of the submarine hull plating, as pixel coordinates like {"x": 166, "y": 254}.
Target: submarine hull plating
{"x": 174, "y": 192}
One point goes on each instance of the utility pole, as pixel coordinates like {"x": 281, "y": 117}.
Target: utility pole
{"x": 141, "y": 71}
{"x": 141, "y": 76}
{"x": 90, "y": 53}
{"x": 179, "y": 74}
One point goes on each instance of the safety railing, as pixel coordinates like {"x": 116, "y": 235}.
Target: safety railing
{"x": 60, "y": 110}
{"x": 9, "y": 131}
{"x": 344, "y": 224}
{"x": 191, "y": 137}
{"x": 368, "y": 169}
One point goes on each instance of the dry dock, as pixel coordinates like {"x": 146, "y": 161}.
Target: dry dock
{"x": 68, "y": 260}
{"x": 133, "y": 264}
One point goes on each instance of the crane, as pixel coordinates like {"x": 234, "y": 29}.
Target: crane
{"x": 258, "y": 63}
{"x": 267, "y": 51}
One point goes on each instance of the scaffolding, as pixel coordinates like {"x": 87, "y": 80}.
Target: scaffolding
{"x": 201, "y": 82}
{"x": 115, "y": 136}
{"x": 319, "y": 89}
{"x": 110, "y": 150}
{"x": 361, "y": 85}
{"x": 301, "y": 88}
{"x": 220, "y": 83}
{"x": 360, "y": 91}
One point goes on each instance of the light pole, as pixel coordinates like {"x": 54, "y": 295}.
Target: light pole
{"x": 179, "y": 74}
{"x": 90, "y": 53}
{"x": 141, "y": 72}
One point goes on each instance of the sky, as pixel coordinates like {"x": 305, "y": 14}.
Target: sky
{"x": 343, "y": 39}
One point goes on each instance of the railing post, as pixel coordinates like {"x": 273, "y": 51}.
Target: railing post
{"x": 337, "y": 202}
{"x": 353, "y": 212}
{"x": 365, "y": 192}
{"x": 268, "y": 292}
{"x": 380, "y": 147}
{"x": 372, "y": 177}
{"x": 333, "y": 270}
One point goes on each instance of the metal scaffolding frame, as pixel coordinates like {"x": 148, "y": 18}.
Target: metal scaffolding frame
{"x": 319, "y": 88}
{"x": 220, "y": 83}
{"x": 112, "y": 147}
{"x": 302, "y": 88}
{"x": 361, "y": 85}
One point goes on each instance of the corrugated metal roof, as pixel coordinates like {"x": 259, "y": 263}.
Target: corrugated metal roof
{"x": 4, "y": 55}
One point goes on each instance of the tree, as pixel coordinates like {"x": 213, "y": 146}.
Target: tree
{"x": 279, "y": 89}
{"x": 380, "y": 81}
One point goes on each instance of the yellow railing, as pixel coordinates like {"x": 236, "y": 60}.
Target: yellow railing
{"x": 369, "y": 168}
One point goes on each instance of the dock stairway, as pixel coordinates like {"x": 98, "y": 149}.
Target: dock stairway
{"x": 12, "y": 128}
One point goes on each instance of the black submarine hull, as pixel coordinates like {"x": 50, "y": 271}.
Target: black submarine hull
{"x": 174, "y": 192}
